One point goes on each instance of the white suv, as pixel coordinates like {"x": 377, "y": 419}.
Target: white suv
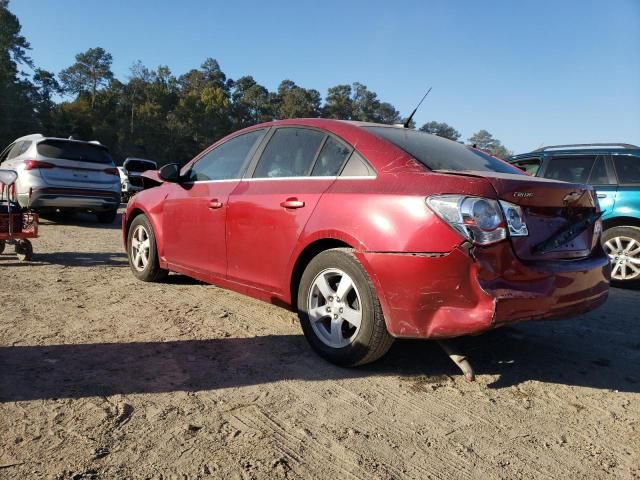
{"x": 64, "y": 175}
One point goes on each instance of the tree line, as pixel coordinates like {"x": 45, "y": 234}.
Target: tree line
{"x": 159, "y": 115}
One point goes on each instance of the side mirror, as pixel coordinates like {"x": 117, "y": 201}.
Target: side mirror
{"x": 170, "y": 173}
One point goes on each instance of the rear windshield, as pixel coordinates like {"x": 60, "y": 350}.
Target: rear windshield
{"x": 64, "y": 149}
{"x": 441, "y": 154}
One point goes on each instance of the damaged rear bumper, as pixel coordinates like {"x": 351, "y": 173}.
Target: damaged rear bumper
{"x": 461, "y": 293}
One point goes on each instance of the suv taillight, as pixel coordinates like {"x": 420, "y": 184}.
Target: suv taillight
{"x": 36, "y": 164}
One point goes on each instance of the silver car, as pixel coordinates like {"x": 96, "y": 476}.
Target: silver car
{"x": 64, "y": 175}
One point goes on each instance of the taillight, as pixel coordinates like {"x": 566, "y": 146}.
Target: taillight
{"x": 36, "y": 164}
{"x": 477, "y": 219}
{"x": 112, "y": 171}
{"x": 515, "y": 219}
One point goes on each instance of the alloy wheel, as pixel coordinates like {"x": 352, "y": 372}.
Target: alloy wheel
{"x": 334, "y": 308}
{"x": 624, "y": 253}
{"x": 140, "y": 248}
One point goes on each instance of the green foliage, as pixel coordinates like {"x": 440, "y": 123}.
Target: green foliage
{"x": 91, "y": 71}
{"x": 441, "y": 129}
{"x": 485, "y": 141}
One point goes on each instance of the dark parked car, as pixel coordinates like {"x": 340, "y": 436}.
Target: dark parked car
{"x": 614, "y": 171}
{"x": 371, "y": 232}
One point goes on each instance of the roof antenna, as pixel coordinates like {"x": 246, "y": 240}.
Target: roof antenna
{"x": 407, "y": 122}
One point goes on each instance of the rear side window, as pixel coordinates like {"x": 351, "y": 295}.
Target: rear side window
{"x": 530, "y": 165}
{"x": 573, "y": 169}
{"x": 225, "y": 161}
{"x": 357, "y": 167}
{"x": 331, "y": 158}
{"x": 18, "y": 149}
{"x": 85, "y": 152}
{"x": 289, "y": 153}
{"x": 627, "y": 168}
{"x": 438, "y": 153}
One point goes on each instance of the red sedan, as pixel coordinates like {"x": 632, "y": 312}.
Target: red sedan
{"x": 371, "y": 232}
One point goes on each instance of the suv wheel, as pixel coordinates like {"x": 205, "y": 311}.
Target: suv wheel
{"x": 339, "y": 310}
{"x": 142, "y": 251}
{"x": 622, "y": 244}
{"x": 107, "y": 217}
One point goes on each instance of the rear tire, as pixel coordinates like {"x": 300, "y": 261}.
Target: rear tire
{"x": 143, "y": 252}
{"x": 622, "y": 244}
{"x": 107, "y": 217}
{"x": 347, "y": 331}
{"x": 2, "y": 246}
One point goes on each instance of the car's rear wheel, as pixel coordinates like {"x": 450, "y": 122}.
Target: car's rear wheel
{"x": 107, "y": 217}
{"x": 339, "y": 310}
{"x": 142, "y": 251}
{"x": 622, "y": 244}
{"x": 2, "y": 246}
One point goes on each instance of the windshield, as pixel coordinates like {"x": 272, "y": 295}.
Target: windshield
{"x": 438, "y": 153}
{"x": 64, "y": 149}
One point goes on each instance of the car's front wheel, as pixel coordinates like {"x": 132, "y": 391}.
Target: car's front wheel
{"x": 339, "y": 310}
{"x": 622, "y": 244}
{"x": 143, "y": 252}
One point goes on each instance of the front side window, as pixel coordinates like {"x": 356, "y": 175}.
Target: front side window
{"x": 225, "y": 161}
{"x": 627, "y": 168}
{"x": 289, "y": 153}
{"x": 331, "y": 158}
{"x": 575, "y": 169}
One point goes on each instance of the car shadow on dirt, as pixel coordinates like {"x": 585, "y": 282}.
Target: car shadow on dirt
{"x": 514, "y": 355}
{"x": 68, "y": 259}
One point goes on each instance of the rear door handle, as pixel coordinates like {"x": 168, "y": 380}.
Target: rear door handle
{"x": 214, "y": 204}
{"x": 602, "y": 195}
{"x": 292, "y": 203}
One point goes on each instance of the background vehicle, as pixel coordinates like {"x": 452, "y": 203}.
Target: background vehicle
{"x": 132, "y": 182}
{"x": 614, "y": 171}
{"x": 64, "y": 175}
{"x": 371, "y": 232}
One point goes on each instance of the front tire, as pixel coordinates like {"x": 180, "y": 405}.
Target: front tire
{"x": 143, "y": 252}
{"x": 339, "y": 310}
{"x": 622, "y": 244}
{"x": 2, "y": 246}
{"x": 24, "y": 250}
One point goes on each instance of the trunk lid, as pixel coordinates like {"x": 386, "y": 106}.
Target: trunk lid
{"x": 549, "y": 207}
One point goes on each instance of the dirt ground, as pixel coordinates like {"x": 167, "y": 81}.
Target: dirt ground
{"x": 103, "y": 376}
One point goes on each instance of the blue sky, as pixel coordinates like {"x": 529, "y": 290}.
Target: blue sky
{"x": 531, "y": 72}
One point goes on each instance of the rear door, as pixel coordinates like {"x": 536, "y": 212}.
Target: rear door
{"x": 195, "y": 211}
{"x": 268, "y": 211}
{"x": 77, "y": 165}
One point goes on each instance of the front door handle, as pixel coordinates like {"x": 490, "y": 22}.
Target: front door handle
{"x": 602, "y": 195}
{"x": 214, "y": 204}
{"x": 292, "y": 203}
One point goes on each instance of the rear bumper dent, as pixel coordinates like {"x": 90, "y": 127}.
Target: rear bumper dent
{"x": 453, "y": 294}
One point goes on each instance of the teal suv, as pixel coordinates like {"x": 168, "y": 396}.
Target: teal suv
{"x": 614, "y": 172}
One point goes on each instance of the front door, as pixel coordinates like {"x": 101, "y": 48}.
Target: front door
{"x": 195, "y": 211}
